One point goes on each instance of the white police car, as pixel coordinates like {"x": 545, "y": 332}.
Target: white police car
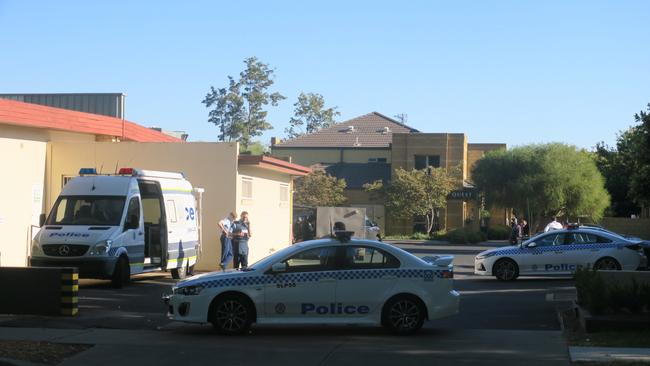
{"x": 561, "y": 252}
{"x": 326, "y": 281}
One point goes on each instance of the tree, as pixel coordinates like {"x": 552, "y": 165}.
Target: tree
{"x": 416, "y": 192}
{"x": 255, "y": 148}
{"x": 238, "y": 109}
{"x": 319, "y": 189}
{"x": 626, "y": 167}
{"x": 634, "y": 147}
{"x": 311, "y": 113}
{"x": 548, "y": 180}
{"x": 617, "y": 180}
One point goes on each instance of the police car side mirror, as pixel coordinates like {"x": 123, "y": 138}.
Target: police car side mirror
{"x": 279, "y": 267}
{"x": 531, "y": 245}
{"x": 41, "y": 220}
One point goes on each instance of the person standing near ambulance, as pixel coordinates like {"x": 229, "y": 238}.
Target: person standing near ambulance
{"x": 226, "y": 239}
{"x": 241, "y": 231}
{"x": 553, "y": 225}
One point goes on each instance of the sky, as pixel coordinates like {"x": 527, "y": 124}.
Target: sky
{"x": 514, "y": 71}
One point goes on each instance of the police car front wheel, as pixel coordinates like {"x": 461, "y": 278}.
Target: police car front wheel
{"x": 403, "y": 315}
{"x": 231, "y": 314}
{"x": 506, "y": 269}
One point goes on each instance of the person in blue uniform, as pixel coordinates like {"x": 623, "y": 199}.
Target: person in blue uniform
{"x": 241, "y": 231}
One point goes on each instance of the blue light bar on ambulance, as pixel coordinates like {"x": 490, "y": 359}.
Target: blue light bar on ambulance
{"x": 87, "y": 171}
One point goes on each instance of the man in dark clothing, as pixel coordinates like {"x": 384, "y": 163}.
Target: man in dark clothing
{"x": 241, "y": 233}
{"x": 515, "y": 233}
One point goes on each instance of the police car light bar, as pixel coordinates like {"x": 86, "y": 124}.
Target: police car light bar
{"x": 125, "y": 171}
{"x": 87, "y": 171}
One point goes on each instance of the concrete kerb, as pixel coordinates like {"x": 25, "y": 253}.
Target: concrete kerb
{"x": 490, "y": 243}
{"x": 608, "y": 354}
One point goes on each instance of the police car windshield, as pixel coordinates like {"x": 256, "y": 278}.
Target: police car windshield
{"x": 87, "y": 210}
{"x": 273, "y": 258}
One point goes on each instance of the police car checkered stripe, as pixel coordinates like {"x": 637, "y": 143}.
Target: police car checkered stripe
{"x": 343, "y": 275}
{"x": 553, "y": 248}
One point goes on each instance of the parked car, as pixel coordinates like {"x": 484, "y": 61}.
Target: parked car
{"x": 561, "y": 252}
{"x": 325, "y": 281}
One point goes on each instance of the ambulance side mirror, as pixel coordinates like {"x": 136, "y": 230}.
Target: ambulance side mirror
{"x": 132, "y": 222}
{"x": 279, "y": 267}
{"x": 41, "y": 220}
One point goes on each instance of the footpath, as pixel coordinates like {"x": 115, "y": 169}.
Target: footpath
{"x": 199, "y": 345}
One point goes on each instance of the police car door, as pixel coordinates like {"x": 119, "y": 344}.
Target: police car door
{"x": 306, "y": 290}
{"x": 544, "y": 256}
{"x": 585, "y": 248}
{"x": 367, "y": 278}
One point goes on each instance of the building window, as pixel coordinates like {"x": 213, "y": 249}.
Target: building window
{"x": 376, "y": 160}
{"x": 424, "y": 161}
{"x": 247, "y": 188}
{"x": 284, "y": 193}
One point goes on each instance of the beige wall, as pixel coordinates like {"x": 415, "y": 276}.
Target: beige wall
{"x": 212, "y": 166}
{"x": 23, "y": 167}
{"x": 451, "y": 147}
{"x": 309, "y": 156}
{"x": 270, "y": 219}
{"x": 22, "y": 199}
{"x": 477, "y": 151}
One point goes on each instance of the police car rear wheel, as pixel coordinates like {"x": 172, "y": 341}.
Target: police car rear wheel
{"x": 231, "y": 315}
{"x": 506, "y": 270}
{"x": 404, "y": 315}
{"x": 607, "y": 264}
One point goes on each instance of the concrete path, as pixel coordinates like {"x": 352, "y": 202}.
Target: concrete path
{"x": 608, "y": 354}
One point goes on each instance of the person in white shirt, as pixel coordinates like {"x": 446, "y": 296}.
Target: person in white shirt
{"x": 553, "y": 225}
{"x": 226, "y": 239}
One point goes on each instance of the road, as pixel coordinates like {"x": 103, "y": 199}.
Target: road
{"x": 499, "y": 323}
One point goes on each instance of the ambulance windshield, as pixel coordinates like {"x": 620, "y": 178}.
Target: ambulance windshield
{"x": 87, "y": 210}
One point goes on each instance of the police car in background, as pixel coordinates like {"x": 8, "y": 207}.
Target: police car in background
{"x": 327, "y": 281}
{"x": 561, "y": 252}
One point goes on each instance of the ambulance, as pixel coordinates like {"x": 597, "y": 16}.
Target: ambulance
{"x": 115, "y": 226}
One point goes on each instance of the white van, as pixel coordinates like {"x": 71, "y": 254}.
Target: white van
{"x": 113, "y": 226}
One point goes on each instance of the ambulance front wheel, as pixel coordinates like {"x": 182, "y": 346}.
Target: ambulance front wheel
{"x": 121, "y": 273}
{"x": 180, "y": 273}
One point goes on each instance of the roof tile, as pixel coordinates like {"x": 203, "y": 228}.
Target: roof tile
{"x": 369, "y": 131}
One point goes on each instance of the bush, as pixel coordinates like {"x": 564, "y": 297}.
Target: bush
{"x": 463, "y": 236}
{"x": 597, "y": 297}
{"x": 420, "y": 236}
{"x": 499, "y": 232}
{"x": 591, "y": 290}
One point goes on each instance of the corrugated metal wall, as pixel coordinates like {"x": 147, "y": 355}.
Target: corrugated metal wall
{"x": 107, "y": 104}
